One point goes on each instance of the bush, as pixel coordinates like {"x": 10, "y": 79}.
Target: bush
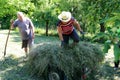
{"x": 70, "y": 60}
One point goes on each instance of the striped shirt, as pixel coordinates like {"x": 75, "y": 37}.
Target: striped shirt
{"x": 68, "y": 27}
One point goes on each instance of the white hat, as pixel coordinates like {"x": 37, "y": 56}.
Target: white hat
{"x": 64, "y": 16}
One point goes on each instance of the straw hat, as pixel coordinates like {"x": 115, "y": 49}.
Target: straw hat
{"x": 64, "y": 16}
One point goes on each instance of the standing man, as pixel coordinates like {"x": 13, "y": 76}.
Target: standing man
{"x": 66, "y": 28}
{"x": 26, "y": 29}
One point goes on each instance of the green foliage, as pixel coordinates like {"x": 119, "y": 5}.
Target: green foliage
{"x": 106, "y": 46}
{"x": 112, "y": 36}
{"x": 44, "y": 12}
{"x": 113, "y": 21}
{"x": 94, "y": 12}
{"x": 70, "y": 59}
{"x": 41, "y": 32}
{"x": 9, "y": 8}
{"x": 100, "y": 35}
{"x": 47, "y": 16}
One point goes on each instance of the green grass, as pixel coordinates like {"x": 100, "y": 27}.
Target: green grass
{"x": 12, "y": 67}
{"x": 42, "y": 31}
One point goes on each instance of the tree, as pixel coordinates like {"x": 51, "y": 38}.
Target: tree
{"x": 45, "y": 13}
{"x": 9, "y": 8}
{"x": 95, "y": 12}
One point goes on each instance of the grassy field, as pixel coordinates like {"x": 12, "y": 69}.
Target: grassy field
{"x": 13, "y": 66}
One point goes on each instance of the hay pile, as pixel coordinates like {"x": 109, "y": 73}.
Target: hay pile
{"x": 71, "y": 60}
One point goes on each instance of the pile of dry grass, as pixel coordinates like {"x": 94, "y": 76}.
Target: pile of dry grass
{"x": 71, "y": 60}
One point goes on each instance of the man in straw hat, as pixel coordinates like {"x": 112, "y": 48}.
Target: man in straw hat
{"x": 26, "y": 29}
{"x": 66, "y": 29}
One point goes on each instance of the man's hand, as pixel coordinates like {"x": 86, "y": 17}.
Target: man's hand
{"x": 11, "y": 21}
{"x": 81, "y": 32}
{"x": 33, "y": 36}
{"x": 62, "y": 43}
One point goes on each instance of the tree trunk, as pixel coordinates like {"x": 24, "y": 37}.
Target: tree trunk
{"x": 47, "y": 22}
{"x": 102, "y": 27}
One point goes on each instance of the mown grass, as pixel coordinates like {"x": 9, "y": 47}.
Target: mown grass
{"x": 12, "y": 67}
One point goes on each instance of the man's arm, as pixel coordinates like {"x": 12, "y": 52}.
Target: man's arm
{"x": 60, "y": 33}
{"x": 11, "y": 24}
{"x": 32, "y": 28}
{"x": 77, "y": 25}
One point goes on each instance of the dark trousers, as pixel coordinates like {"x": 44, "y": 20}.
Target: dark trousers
{"x": 116, "y": 64}
{"x": 74, "y": 36}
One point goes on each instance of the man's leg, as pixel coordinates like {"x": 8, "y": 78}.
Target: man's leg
{"x": 65, "y": 40}
{"x": 24, "y": 45}
{"x": 75, "y": 37}
{"x": 26, "y": 51}
{"x": 30, "y": 43}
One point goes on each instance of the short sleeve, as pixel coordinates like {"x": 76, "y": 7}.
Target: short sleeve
{"x": 73, "y": 19}
{"x": 15, "y": 24}
{"x": 58, "y": 23}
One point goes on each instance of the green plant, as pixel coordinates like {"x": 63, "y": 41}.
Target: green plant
{"x": 112, "y": 34}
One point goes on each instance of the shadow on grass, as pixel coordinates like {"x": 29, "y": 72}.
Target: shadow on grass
{"x": 12, "y": 32}
{"x": 15, "y": 69}
{"x": 16, "y": 39}
{"x": 44, "y": 39}
{"x": 108, "y": 72}
{"x": 38, "y": 39}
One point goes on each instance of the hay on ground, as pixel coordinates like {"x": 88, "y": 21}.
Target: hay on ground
{"x": 71, "y": 60}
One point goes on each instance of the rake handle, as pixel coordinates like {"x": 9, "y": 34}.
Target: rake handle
{"x": 7, "y": 38}
{"x": 6, "y": 42}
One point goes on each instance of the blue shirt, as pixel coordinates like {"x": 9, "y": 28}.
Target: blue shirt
{"x": 25, "y": 27}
